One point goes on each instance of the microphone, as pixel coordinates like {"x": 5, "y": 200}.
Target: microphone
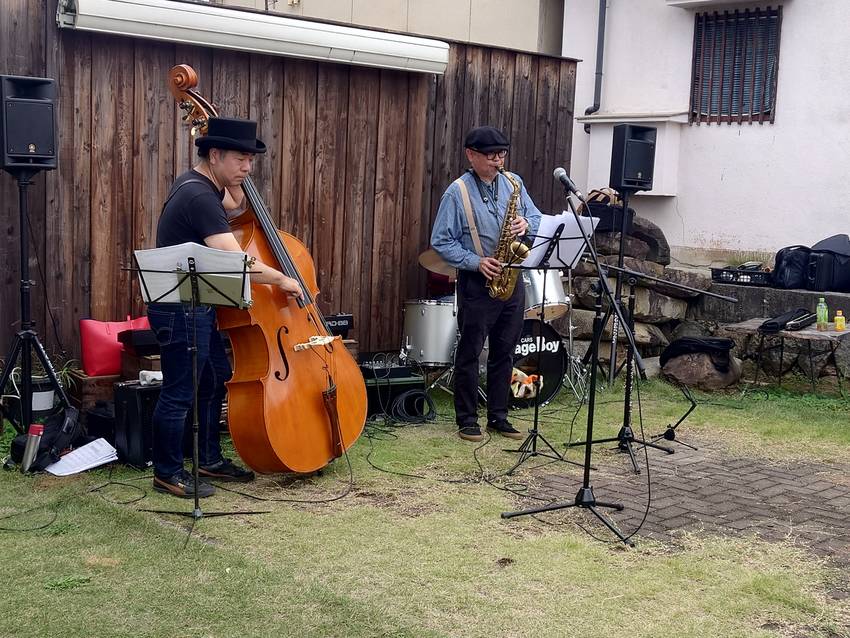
{"x": 561, "y": 175}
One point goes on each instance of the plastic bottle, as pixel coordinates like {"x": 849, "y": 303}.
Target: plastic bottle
{"x": 839, "y": 321}
{"x": 823, "y": 315}
{"x": 31, "y": 448}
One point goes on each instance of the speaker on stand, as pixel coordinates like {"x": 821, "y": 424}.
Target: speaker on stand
{"x": 27, "y": 146}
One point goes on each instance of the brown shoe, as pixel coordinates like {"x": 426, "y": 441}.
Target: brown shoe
{"x": 182, "y": 485}
{"x": 505, "y": 429}
{"x": 470, "y": 433}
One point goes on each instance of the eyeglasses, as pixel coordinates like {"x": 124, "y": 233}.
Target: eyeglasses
{"x": 491, "y": 156}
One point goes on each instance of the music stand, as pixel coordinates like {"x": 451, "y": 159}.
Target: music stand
{"x": 227, "y": 284}
{"x": 550, "y": 244}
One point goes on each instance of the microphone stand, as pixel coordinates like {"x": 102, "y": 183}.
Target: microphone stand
{"x": 585, "y": 497}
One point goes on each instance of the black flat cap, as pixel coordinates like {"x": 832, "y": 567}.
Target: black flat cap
{"x": 486, "y": 139}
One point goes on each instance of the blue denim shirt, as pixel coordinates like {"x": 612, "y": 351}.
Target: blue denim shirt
{"x": 450, "y": 236}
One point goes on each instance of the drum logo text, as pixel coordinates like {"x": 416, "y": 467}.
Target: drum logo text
{"x": 528, "y": 345}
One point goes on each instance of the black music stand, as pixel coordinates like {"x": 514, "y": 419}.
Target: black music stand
{"x": 528, "y": 448}
{"x": 220, "y": 288}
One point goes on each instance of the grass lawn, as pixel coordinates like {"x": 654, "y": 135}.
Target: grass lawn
{"x": 423, "y": 555}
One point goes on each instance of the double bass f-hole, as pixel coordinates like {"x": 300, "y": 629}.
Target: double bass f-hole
{"x": 280, "y": 349}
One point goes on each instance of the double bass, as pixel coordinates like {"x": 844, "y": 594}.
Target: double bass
{"x": 297, "y": 399}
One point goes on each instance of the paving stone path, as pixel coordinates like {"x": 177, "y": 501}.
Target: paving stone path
{"x": 710, "y": 489}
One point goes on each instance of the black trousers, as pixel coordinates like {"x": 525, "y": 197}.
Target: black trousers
{"x": 482, "y": 317}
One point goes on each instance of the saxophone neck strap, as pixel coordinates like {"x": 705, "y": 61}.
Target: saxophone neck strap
{"x": 470, "y": 217}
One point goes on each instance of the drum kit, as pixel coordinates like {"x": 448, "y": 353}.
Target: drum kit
{"x": 431, "y": 333}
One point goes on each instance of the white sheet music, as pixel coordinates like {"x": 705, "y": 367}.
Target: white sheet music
{"x": 173, "y": 259}
{"x": 569, "y": 248}
{"x": 98, "y": 452}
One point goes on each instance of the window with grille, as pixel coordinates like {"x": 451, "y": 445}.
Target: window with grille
{"x": 736, "y": 56}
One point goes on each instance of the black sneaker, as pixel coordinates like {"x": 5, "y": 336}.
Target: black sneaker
{"x": 226, "y": 472}
{"x": 470, "y": 433}
{"x": 505, "y": 429}
{"x": 182, "y": 485}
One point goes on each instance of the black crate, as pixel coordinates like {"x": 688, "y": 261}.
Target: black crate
{"x": 741, "y": 277}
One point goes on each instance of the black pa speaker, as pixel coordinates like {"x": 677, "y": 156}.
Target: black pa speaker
{"x": 27, "y": 123}
{"x": 134, "y": 406}
{"x": 632, "y": 158}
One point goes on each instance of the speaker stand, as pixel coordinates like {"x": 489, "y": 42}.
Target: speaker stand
{"x": 26, "y": 342}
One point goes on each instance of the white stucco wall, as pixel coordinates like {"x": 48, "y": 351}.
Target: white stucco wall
{"x": 748, "y": 187}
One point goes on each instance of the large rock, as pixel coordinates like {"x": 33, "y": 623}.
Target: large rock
{"x": 690, "y": 328}
{"x": 609, "y": 244}
{"x": 650, "y": 306}
{"x": 690, "y": 278}
{"x": 645, "y": 334}
{"x": 650, "y": 234}
{"x": 696, "y": 370}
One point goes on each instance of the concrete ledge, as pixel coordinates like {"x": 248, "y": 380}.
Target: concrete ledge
{"x": 761, "y": 301}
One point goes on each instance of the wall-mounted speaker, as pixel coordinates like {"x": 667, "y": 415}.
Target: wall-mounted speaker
{"x": 27, "y": 123}
{"x": 632, "y": 158}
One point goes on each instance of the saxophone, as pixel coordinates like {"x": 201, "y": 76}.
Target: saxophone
{"x": 509, "y": 250}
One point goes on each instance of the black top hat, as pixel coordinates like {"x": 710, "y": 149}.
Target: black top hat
{"x": 486, "y": 139}
{"x": 231, "y": 135}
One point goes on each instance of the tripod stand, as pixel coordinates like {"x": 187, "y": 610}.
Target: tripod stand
{"x": 221, "y": 288}
{"x": 26, "y": 342}
{"x": 626, "y": 437}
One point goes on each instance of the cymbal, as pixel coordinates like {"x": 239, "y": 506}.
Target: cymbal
{"x": 433, "y": 262}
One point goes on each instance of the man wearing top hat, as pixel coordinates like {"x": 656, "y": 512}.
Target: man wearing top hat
{"x": 197, "y": 211}
{"x": 480, "y": 316}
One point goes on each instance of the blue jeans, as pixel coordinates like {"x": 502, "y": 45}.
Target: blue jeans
{"x": 172, "y": 324}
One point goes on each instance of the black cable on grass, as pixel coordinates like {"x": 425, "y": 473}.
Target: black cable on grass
{"x": 52, "y": 520}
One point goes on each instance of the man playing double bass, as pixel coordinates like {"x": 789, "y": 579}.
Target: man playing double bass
{"x": 197, "y": 211}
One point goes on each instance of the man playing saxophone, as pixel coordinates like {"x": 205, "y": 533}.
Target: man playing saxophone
{"x": 480, "y": 216}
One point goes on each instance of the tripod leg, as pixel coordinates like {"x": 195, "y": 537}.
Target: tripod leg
{"x": 51, "y": 373}
{"x": 11, "y": 359}
{"x": 609, "y": 525}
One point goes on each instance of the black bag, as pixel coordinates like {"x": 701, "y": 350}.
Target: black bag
{"x": 829, "y": 265}
{"x": 791, "y": 267}
{"x": 61, "y": 431}
{"x": 717, "y": 348}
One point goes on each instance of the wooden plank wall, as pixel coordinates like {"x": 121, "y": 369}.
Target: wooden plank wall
{"x": 358, "y": 159}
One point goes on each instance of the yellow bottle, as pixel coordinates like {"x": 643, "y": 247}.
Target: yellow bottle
{"x": 839, "y": 320}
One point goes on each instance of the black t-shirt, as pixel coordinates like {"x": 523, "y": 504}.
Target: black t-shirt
{"x": 192, "y": 213}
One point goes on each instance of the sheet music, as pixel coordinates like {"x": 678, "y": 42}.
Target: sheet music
{"x": 98, "y": 452}
{"x": 571, "y": 245}
{"x": 207, "y": 260}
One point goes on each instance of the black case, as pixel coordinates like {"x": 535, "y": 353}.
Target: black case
{"x": 134, "y": 406}
{"x": 828, "y": 271}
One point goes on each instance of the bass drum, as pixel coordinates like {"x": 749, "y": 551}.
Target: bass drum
{"x": 540, "y": 350}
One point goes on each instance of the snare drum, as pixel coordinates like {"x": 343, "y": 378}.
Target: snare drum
{"x": 430, "y": 331}
{"x": 557, "y": 301}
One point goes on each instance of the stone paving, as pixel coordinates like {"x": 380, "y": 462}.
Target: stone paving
{"x": 710, "y": 489}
